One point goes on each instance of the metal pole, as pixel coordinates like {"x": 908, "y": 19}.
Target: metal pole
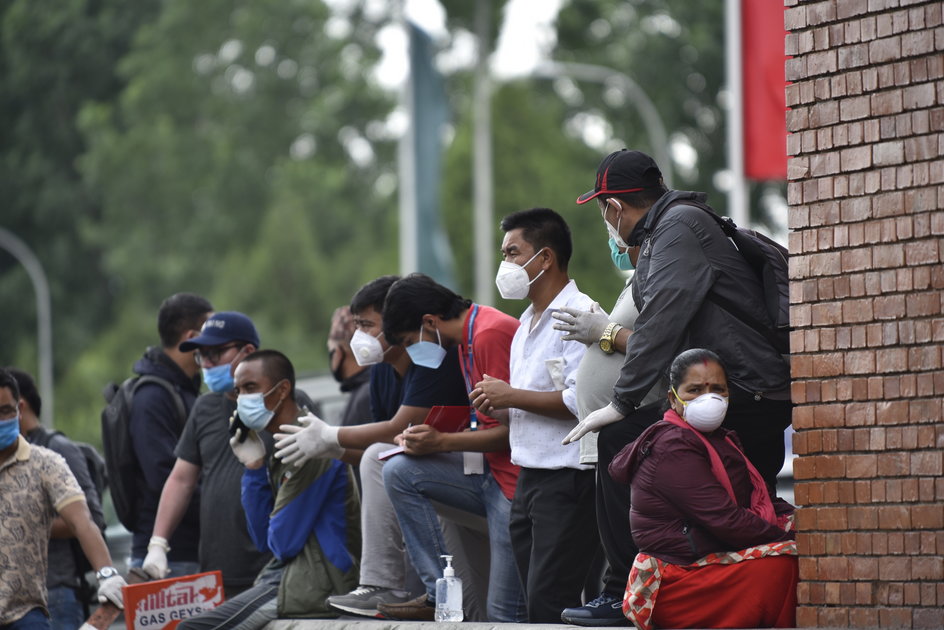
{"x": 406, "y": 159}
{"x": 34, "y": 269}
{"x": 737, "y": 195}
{"x": 658, "y": 137}
{"x": 483, "y": 228}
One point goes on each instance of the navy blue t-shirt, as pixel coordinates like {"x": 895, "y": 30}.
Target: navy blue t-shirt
{"x": 419, "y": 387}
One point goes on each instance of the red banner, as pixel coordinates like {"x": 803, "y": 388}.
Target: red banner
{"x": 763, "y": 80}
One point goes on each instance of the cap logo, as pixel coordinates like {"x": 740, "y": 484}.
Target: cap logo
{"x": 214, "y": 323}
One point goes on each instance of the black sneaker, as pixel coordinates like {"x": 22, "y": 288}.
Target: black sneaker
{"x": 605, "y": 610}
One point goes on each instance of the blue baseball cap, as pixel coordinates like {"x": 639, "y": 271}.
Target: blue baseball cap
{"x": 222, "y": 328}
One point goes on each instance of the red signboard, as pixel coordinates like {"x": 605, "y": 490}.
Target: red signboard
{"x": 162, "y": 604}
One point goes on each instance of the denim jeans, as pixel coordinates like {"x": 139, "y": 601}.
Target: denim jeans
{"x": 35, "y": 619}
{"x": 65, "y": 609}
{"x": 413, "y": 482}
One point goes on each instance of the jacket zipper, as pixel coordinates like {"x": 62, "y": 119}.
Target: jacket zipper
{"x": 687, "y": 532}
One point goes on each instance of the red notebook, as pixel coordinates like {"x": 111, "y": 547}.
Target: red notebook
{"x": 448, "y": 419}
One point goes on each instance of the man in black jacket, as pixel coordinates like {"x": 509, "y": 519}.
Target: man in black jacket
{"x": 684, "y": 258}
{"x": 156, "y": 425}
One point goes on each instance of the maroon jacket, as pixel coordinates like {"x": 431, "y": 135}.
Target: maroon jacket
{"x": 680, "y": 512}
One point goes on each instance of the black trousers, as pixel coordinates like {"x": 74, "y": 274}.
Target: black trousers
{"x": 554, "y": 538}
{"x": 759, "y": 424}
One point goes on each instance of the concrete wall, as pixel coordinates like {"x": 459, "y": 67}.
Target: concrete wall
{"x": 866, "y": 192}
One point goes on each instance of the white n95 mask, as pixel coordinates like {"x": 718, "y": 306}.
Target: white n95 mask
{"x": 512, "y": 279}
{"x": 366, "y": 348}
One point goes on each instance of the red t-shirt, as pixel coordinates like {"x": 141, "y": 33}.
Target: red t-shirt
{"x": 492, "y": 332}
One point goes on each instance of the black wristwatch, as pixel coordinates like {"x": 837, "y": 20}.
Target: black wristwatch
{"x": 106, "y": 572}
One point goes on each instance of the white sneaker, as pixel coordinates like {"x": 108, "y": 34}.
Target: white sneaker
{"x": 363, "y": 600}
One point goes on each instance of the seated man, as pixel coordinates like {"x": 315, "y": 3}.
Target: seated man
{"x": 451, "y": 470}
{"x": 715, "y": 546}
{"x": 307, "y": 516}
{"x": 36, "y": 485}
{"x": 401, "y": 394}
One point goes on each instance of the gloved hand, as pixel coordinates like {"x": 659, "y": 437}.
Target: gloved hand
{"x": 297, "y": 444}
{"x": 583, "y": 326}
{"x": 109, "y": 590}
{"x": 155, "y": 562}
{"x": 593, "y": 422}
{"x": 251, "y": 451}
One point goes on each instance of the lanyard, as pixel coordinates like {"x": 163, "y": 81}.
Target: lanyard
{"x": 468, "y": 363}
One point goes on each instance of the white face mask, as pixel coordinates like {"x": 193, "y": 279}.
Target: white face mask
{"x": 614, "y": 231}
{"x": 705, "y": 413}
{"x": 512, "y": 279}
{"x": 366, "y": 348}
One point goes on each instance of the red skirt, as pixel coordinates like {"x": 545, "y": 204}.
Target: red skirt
{"x": 758, "y": 593}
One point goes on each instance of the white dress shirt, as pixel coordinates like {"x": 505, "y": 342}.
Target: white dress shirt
{"x": 541, "y": 361}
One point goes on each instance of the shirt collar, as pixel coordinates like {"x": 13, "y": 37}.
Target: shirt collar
{"x": 559, "y": 300}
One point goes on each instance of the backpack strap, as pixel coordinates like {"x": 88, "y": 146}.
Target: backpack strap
{"x": 167, "y": 385}
{"x": 730, "y": 229}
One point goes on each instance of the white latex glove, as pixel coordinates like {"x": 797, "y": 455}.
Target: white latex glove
{"x": 251, "y": 451}
{"x": 593, "y": 422}
{"x": 155, "y": 562}
{"x": 296, "y": 445}
{"x": 109, "y": 590}
{"x": 583, "y": 326}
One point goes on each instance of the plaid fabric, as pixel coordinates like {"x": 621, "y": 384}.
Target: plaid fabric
{"x": 645, "y": 578}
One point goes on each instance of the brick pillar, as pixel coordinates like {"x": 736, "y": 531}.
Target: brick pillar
{"x": 866, "y": 192}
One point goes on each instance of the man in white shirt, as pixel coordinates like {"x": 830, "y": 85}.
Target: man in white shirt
{"x": 553, "y": 524}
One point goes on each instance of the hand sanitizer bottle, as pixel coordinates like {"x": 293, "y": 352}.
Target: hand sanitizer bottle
{"x": 448, "y": 594}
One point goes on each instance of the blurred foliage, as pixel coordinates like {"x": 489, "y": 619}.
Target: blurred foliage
{"x": 243, "y": 150}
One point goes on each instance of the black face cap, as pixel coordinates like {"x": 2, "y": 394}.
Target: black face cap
{"x": 624, "y": 171}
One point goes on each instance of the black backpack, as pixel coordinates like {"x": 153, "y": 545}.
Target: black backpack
{"x": 121, "y": 463}
{"x": 768, "y": 259}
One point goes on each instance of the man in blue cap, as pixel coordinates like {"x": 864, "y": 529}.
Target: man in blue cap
{"x": 224, "y": 341}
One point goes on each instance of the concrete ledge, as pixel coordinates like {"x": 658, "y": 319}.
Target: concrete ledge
{"x": 355, "y": 623}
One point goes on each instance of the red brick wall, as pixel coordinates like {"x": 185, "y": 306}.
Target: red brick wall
{"x": 866, "y": 192}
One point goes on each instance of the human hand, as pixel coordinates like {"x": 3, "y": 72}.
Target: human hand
{"x": 155, "y": 562}
{"x": 421, "y": 439}
{"x": 593, "y": 422}
{"x": 297, "y": 444}
{"x": 491, "y": 394}
{"x": 109, "y": 590}
{"x": 583, "y": 326}
{"x": 251, "y": 451}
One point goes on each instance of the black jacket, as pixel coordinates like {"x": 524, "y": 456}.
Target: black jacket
{"x": 684, "y": 255}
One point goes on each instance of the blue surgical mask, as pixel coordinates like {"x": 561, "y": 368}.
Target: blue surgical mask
{"x": 9, "y": 431}
{"x": 253, "y": 411}
{"x": 219, "y": 378}
{"x": 426, "y": 353}
{"x": 620, "y": 259}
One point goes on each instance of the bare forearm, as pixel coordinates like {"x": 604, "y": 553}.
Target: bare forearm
{"x": 60, "y": 529}
{"x": 175, "y": 497}
{"x": 79, "y": 519}
{"x": 550, "y": 404}
{"x": 363, "y": 435}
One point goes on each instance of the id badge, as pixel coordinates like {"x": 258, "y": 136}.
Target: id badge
{"x": 473, "y": 463}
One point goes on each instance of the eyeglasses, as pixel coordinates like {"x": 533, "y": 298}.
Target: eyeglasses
{"x": 212, "y": 354}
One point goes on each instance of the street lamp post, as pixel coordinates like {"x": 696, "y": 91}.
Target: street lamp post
{"x": 19, "y": 250}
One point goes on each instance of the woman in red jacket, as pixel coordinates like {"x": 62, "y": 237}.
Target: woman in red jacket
{"x": 716, "y": 547}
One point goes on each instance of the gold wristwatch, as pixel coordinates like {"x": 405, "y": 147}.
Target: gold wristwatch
{"x": 608, "y": 338}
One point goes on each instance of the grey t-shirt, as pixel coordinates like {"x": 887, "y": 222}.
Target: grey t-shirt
{"x": 598, "y": 372}
{"x": 224, "y": 539}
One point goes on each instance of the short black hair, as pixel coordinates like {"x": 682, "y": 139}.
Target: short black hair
{"x": 414, "y": 296}
{"x": 27, "y": 387}
{"x": 276, "y": 366}
{"x": 542, "y": 227}
{"x": 7, "y": 380}
{"x": 372, "y": 295}
{"x": 687, "y": 359}
{"x": 178, "y": 314}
